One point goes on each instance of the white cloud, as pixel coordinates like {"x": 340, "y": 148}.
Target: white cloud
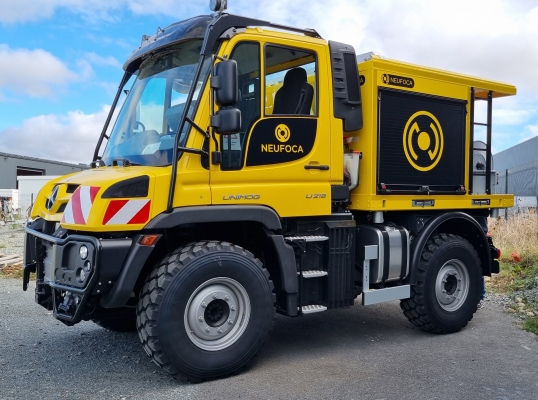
{"x": 113, "y": 41}
{"x": 33, "y": 10}
{"x": 493, "y": 39}
{"x": 34, "y": 72}
{"x": 96, "y": 59}
{"x": 529, "y": 132}
{"x": 71, "y": 137}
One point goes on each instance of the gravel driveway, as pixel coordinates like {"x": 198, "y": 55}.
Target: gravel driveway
{"x": 12, "y": 239}
{"x": 354, "y": 353}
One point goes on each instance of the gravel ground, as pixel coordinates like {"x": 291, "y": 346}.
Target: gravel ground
{"x": 353, "y": 353}
{"x": 12, "y": 239}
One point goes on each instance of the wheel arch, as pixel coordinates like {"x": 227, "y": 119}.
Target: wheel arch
{"x": 457, "y": 223}
{"x": 255, "y": 228}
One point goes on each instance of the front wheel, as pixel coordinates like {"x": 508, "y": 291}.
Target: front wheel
{"x": 447, "y": 291}
{"x": 206, "y": 310}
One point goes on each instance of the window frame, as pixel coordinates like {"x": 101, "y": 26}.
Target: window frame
{"x": 316, "y": 89}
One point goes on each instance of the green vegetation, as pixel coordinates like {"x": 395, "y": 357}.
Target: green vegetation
{"x": 517, "y": 237}
{"x": 514, "y": 277}
{"x": 531, "y": 325}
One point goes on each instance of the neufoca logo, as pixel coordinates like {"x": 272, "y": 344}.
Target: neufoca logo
{"x": 396, "y": 80}
{"x": 282, "y": 133}
{"x": 423, "y": 141}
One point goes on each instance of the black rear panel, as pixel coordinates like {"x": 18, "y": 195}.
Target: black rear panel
{"x": 421, "y": 143}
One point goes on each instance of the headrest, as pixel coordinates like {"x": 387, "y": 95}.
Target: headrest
{"x": 295, "y": 74}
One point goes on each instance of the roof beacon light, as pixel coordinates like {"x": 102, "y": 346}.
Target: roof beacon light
{"x": 218, "y": 5}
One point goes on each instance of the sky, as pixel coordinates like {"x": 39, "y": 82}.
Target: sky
{"x": 61, "y": 60}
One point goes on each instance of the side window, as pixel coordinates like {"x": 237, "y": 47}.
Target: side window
{"x": 247, "y": 56}
{"x": 290, "y": 81}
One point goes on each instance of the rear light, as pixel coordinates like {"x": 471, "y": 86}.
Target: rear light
{"x": 499, "y": 253}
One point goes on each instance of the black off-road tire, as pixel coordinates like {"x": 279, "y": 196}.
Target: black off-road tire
{"x": 121, "y": 319}
{"x": 448, "y": 263}
{"x": 221, "y": 287}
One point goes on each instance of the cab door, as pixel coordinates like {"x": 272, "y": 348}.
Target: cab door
{"x": 281, "y": 156}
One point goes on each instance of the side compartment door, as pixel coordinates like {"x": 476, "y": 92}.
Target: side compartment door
{"x": 281, "y": 157}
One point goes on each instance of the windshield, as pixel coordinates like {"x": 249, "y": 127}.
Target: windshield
{"x": 145, "y": 130}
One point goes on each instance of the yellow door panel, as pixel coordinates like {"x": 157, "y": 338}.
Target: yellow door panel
{"x": 282, "y": 161}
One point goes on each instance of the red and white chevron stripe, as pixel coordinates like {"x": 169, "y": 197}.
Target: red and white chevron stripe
{"x": 78, "y": 208}
{"x": 127, "y": 212}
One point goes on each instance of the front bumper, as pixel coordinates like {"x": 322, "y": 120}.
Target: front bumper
{"x": 65, "y": 283}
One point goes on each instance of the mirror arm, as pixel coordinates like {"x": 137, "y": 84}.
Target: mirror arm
{"x": 197, "y": 127}
{"x": 193, "y": 151}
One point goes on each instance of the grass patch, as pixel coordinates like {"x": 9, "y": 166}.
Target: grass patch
{"x": 12, "y": 271}
{"x": 531, "y": 325}
{"x": 513, "y": 277}
{"x": 517, "y": 237}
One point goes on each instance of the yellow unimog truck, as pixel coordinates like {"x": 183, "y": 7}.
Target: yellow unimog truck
{"x": 257, "y": 168}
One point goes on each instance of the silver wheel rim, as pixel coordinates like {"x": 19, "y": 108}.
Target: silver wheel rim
{"x": 217, "y": 314}
{"x": 452, "y": 285}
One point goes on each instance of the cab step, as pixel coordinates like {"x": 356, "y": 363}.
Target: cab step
{"x": 313, "y": 309}
{"x": 306, "y": 238}
{"x": 314, "y": 274}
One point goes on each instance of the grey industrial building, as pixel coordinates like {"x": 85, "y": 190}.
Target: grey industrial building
{"x": 12, "y": 166}
{"x": 518, "y": 169}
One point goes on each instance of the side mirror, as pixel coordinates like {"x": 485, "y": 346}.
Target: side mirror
{"x": 224, "y": 81}
{"x": 227, "y": 121}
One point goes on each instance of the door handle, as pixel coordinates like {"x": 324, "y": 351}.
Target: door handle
{"x": 320, "y": 167}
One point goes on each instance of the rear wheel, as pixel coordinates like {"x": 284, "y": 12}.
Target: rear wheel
{"x": 447, "y": 291}
{"x": 206, "y": 310}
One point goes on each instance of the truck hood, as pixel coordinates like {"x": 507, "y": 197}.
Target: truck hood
{"x": 107, "y": 199}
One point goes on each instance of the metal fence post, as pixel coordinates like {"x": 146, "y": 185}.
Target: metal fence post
{"x": 506, "y": 192}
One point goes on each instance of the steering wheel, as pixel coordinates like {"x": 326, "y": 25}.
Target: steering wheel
{"x": 141, "y": 125}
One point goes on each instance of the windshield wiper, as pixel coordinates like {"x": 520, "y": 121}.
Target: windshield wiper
{"x": 124, "y": 162}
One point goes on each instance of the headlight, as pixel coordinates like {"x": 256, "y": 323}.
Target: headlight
{"x": 81, "y": 275}
{"x": 83, "y": 251}
{"x": 87, "y": 266}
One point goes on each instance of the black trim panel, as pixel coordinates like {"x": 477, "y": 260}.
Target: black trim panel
{"x": 130, "y": 271}
{"x": 203, "y": 214}
{"x": 288, "y": 272}
{"x": 339, "y": 192}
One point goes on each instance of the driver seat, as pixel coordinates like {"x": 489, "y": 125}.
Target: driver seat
{"x": 296, "y": 94}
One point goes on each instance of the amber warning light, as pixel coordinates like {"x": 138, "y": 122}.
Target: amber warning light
{"x": 149, "y": 240}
